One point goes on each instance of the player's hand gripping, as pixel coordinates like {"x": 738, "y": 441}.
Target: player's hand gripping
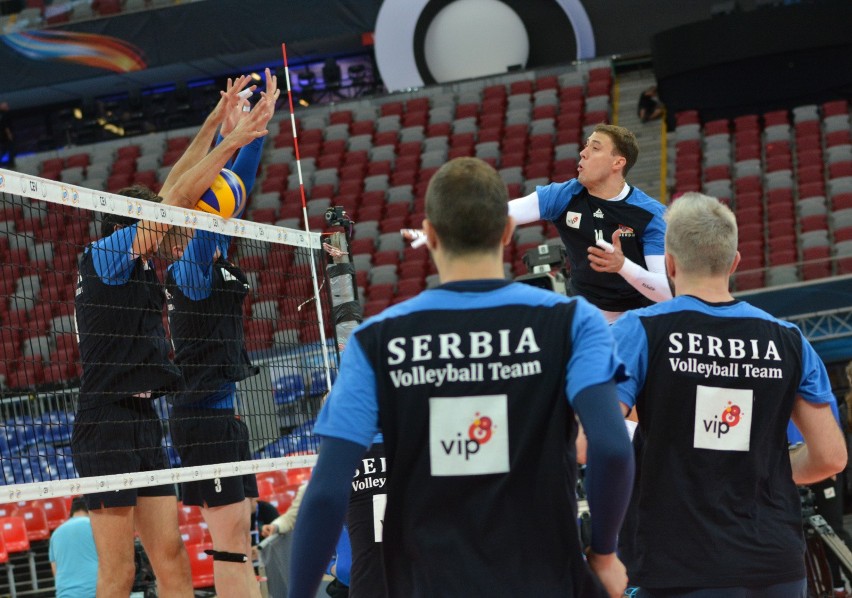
{"x": 607, "y": 257}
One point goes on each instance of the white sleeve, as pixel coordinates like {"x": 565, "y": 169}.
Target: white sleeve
{"x": 525, "y": 209}
{"x": 652, "y": 282}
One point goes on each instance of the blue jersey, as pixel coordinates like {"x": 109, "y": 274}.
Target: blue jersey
{"x": 471, "y": 384}
{"x": 714, "y": 387}
{"x": 582, "y": 219}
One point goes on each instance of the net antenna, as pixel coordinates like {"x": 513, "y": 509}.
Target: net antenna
{"x": 325, "y": 357}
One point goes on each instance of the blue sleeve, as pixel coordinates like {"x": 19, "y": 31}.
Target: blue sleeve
{"x": 632, "y": 345}
{"x": 554, "y": 198}
{"x": 247, "y": 163}
{"x": 351, "y": 411}
{"x": 593, "y": 357}
{"x": 230, "y": 161}
{"x": 113, "y": 256}
{"x": 654, "y": 238}
{"x": 193, "y": 272}
{"x": 609, "y": 463}
{"x": 815, "y": 387}
{"x": 343, "y": 558}
{"x": 321, "y": 514}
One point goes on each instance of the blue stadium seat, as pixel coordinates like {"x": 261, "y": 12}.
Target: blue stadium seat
{"x": 288, "y": 389}
{"x": 319, "y": 383}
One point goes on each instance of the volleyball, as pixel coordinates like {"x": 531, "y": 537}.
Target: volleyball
{"x": 226, "y": 197}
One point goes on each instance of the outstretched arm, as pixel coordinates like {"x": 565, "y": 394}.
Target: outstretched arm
{"x": 200, "y": 145}
{"x": 187, "y": 190}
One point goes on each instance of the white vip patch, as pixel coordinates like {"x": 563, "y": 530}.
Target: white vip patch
{"x": 723, "y": 418}
{"x": 227, "y": 275}
{"x": 572, "y": 219}
{"x": 379, "y": 503}
{"x": 598, "y": 213}
{"x": 468, "y": 435}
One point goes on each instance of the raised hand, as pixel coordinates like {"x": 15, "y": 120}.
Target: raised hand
{"x": 232, "y": 104}
{"x": 607, "y": 257}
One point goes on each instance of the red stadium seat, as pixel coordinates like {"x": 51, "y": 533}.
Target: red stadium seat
{"x": 56, "y": 510}
{"x": 188, "y": 514}
{"x": 35, "y": 521}
{"x": 195, "y": 533}
{"x": 266, "y": 488}
{"x": 201, "y": 565}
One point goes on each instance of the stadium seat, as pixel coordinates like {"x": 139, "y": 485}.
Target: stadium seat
{"x": 14, "y": 534}
{"x": 189, "y": 514}
{"x": 56, "y": 511}
{"x": 35, "y": 521}
{"x": 201, "y": 565}
{"x": 288, "y": 388}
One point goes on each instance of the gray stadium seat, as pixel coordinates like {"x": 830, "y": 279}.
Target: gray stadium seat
{"x": 488, "y": 149}
{"x": 465, "y": 125}
{"x": 359, "y": 143}
{"x": 841, "y": 218}
{"x": 814, "y": 238}
{"x": 431, "y": 144}
{"x": 42, "y": 251}
{"x": 805, "y": 113}
{"x": 390, "y": 242}
{"x": 265, "y": 310}
{"x": 400, "y": 194}
{"x": 745, "y": 168}
{"x": 838, "y": 122}
{"x": 383, "y": 153}
{"x": 383, "y": 274}
{"x": 334, "y": 132}
{"x": 435, "y": 158}
{"x": 376, "y": 182}
{"x": 531, "y": 184}
{"x": 266, "y": 200}
{"x": 777, "y": 133}
{"x": 780, "y": 275}
{"x": 37, "y": 345}
{"x": 811, "y": 206}
{"x": 317, "y": 207}
{"x": 387, "y": 123}
{"x": 367, "y": 229}
{"x": 362, "y": 261}
{"x": 838, "y": 153}
{"x": 513, "y": 174}
{"x": 287, "y": 337}
{"x": 414, "y": 133}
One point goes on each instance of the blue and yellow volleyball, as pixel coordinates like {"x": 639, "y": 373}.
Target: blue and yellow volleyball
{"x": 226, "y": 197}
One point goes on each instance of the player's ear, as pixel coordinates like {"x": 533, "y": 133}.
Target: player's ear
{"x": 176, "y": 252}
{"x": 670, "y": 265}
{"x": 735, "y": 263}
{"x": 431, "y": 235}
{"x": 508, "y": 231}
{"x": 619, "y": 163}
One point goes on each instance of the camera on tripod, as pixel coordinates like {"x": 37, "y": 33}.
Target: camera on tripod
{"x": 540, "y": 262}
{"x": 337, "y": 216}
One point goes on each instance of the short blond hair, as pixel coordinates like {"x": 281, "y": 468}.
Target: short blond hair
{"x": 701, "y": 234}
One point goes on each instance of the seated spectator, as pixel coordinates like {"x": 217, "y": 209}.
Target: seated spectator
{"x": 649, "y": 108}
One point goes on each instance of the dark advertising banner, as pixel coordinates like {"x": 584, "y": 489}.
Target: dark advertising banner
{"x": 195, "y": 32}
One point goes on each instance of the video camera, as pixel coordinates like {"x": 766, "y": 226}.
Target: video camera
{"x": 540, "y": 262}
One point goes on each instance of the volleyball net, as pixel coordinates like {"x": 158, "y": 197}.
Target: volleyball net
{"x": 285, "y": 317}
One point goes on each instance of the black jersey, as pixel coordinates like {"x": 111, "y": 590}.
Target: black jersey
{"x": 582, "y": 219}
{"x": 365, "y": 518}
{"x": 208, "y": 333}
{"x": 471, "y": 384}
{"x": 123, "y": 345}
{"x": 714, "y": 386}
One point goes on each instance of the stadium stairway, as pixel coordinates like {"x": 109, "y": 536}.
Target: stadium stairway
{"x": 646, "y": 173}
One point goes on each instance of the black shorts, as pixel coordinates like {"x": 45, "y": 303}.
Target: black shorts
{"x": 207, "y": 437}
{"x": 119, "y": 437}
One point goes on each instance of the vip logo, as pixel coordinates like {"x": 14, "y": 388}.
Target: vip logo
{"x": 598, "y": 213}
{"x": 722, "y": 424}
{"x": 478, "y": 433}
{"x": 572, "y": 219}
{"x": 723, "y": 418}
{"x": 468, "y": 435}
